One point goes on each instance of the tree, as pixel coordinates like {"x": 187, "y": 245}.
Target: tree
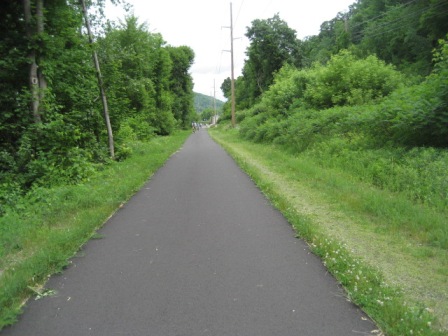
{"x": 207, "y": 114}
{"x": 272, "y": 44}
{"x": 181, "y": 83}
{"x": 100, "y": 83}
{"x": 130, "y": 55}
{"x": 46, "y": 98}
{"x": 34, "y": 31}
{"x": 225, "y": 87}
{"x": 51, "y": 122}
{"x": 401, "y": 32}
{"x": 15, "y": 117}
{"x": 149, "y": 82}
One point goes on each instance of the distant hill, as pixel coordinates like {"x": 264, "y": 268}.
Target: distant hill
{"x": 202, "y": 102}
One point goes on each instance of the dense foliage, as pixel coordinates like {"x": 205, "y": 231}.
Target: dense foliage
{"x": 402, "y": 33}
{"x": 418, "y": 115}
{"x": 51, "y": 119}
{"x": 367, "y": 103}
{"x": 272, "y": 43}
{"x": 378, "y": 133}
{"x": 386, "y": 111}
{"x": 369, "y": 93}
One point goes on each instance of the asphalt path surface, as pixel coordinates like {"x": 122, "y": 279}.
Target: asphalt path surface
{"x": 197, "y": 251}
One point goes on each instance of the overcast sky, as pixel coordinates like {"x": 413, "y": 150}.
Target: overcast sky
{"x": 201, "y": 25}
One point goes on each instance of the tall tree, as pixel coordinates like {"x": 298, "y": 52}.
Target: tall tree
{"x": 100, "y": 83}
{"x": 272, "y": 44}
{"x": 58, "y": 135}
{"x": 139, "y": 70}
{"x": 34, "y": 29}
{"x": 14, "y": 76}
{"x": 181, "y": 83}
{"x": 129, "y": 55}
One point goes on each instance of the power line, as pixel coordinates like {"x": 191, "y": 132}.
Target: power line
{"x": 220, "y": 52}
{"x": 379, "y": 29}
{"x": 267, "y": 6}
{"x": 239, "y": 11}
{"x": 382, "y": 14}
{"x": 380, "y": 32}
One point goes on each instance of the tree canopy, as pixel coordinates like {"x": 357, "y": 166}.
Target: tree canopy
{"x": 272, "y": 44}
{"x": 51, "y": 122}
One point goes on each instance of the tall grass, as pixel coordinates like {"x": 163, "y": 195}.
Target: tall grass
{"x": 46, "y": 228}
{"x": 416, "y": 178}
{"x": 419, "y": 173}
{"x": 334, "y": 140}
{"x": 391, "y": 207}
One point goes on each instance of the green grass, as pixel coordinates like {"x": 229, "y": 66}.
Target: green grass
{"x": 387, "y": 250}
{"x": 50, "y": 225}
{"x": 419, "y": 174}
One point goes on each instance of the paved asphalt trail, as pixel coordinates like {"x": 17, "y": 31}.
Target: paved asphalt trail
{"x": 198, "y": 251}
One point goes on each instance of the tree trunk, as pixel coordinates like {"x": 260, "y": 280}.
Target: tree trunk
{"x": 33, "y": 76}
{"x": 100, "y": 83}
{"x": 40, "y": 30}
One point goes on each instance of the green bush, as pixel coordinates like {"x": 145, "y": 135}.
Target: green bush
{"x": 288, "y": 89}
{"x": 380, "y": 141}
{"x": 416, "y": 116}
{"x": 136, "y": 128}
{"x": 346, "y": 80}
{"x": 164, "y": 122}
{"x": 249, "y": 126}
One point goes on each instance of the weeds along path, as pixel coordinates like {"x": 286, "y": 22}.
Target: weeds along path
{"x": 421, "y": 272}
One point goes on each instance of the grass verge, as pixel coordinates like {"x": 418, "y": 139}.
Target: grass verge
{"x": 50, "y": 225}
{"x": 399, "y": 281}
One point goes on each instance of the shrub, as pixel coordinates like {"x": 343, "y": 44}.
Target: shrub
{"x": 417, "y": 116}
{"x": 248, "y": 128}
{"x": 288, "y": 88}
{"x": 136, "y": 128}
{"x": 346, "y": 80}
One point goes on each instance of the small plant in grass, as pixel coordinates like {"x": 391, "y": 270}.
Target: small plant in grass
{"x": 97, "y": 235}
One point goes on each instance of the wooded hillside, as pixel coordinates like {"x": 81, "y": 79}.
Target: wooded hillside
{"x": 203, "y": 102}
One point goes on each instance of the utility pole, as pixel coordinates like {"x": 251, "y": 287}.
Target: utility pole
{"x": 214, "y": 101}
{"x": 232, "y": 80}
{"x": 232, "y": 83}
